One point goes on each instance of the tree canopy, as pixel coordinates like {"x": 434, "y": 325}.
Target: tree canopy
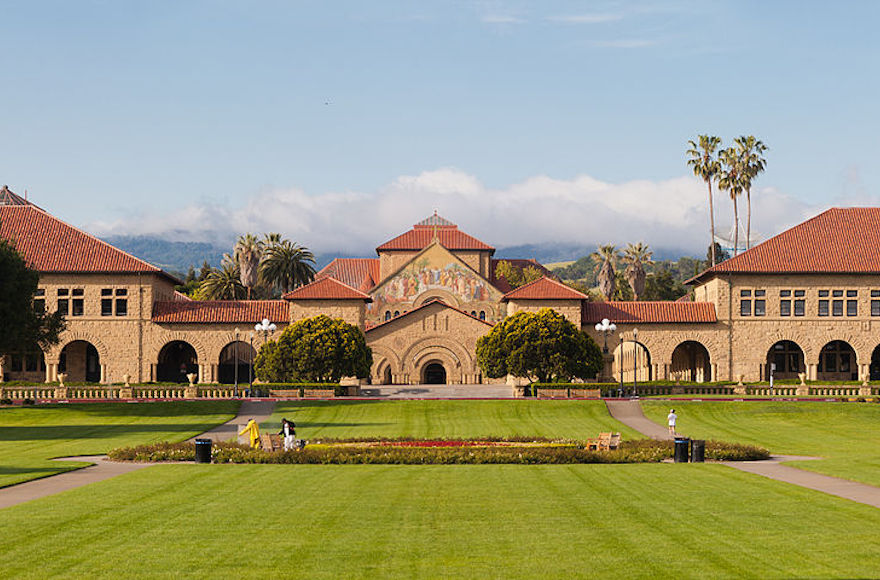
{"x": 319, "y": 349}
{"x": 515, "y": 275}
{"x": 22, "y": 323}
{"x": 542, "y": 345}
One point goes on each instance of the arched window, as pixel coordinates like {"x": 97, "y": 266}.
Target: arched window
{"x": 396, "y": 313}
{"x": 482, "y": 315}
{"x": 387, "y": 315}
{"x": 474, "y": 313}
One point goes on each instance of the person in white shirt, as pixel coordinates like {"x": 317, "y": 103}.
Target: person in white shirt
{"x": 288, "y": 431}
{"x": 670, "y": 418}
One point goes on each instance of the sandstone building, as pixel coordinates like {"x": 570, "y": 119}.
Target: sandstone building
{"x": 804, "y": 301}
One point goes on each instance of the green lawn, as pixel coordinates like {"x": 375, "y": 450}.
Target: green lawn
{"x": 448, "y": 419}
{"x": 846, "y": 434}
{"x": 270, "y": 521}
{"x": 31, "y": 436}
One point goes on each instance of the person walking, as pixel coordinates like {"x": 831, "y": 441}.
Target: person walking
{"x": 670, "y": 418}
{"x": 253, "y": 431}
{"x": 288, "y": 432}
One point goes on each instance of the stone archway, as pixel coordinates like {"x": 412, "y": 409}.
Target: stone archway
{"x": 786, "y": 359}
{"x": 633, "y": 360}
{"x": 434, "y": 373}
{"x": 81, "y": 361}
{"x": 176, "y": 360}
{"x": 236, "y": 356}
{"x": 837, "y": 362}
{"x": 690, "y": 362}
{"x": 875, "y": 364}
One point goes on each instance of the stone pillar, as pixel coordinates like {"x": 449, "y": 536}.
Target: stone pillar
{"x": 714, "y": 372}
{"x": 607, "y": 372}
{"x": 2, "y": 366}
{"x": 812, "y": 372}
{"x": 103, "y": 374}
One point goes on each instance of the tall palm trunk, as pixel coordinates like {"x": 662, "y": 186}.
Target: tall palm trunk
{"x": 711, "y": 223}
{"x": 748, "y": 218}
{"x": 735, "y": 228}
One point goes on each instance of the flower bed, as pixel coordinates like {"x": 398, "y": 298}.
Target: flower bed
{"x": 441, "y": 452}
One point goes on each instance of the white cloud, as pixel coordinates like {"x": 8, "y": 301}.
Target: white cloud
{"x": 584, "y": 18}
{"x": 669, "y": 214}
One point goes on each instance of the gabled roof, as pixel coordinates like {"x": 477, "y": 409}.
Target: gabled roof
{"x": 327, "y": 289}
{"x": 423, "y": 233}
{"x": 839, "y": 240}
{"x": 545, "y": 288}
{"x": 7, "y": 197}
{"x": 648, "y": 312}
{"x": 360, "y": 273}
{"x": 220, "y": 311}
{"x": 429, "y": 304}
{"x": 50, "y": 245}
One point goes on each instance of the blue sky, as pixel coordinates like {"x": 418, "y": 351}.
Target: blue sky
{"x": 341, "y": 123}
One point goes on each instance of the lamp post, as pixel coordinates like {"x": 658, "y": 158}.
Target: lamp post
{"x": 605, "y": 327}
{"x": 251, "y": 369}
{"x": 635, "y": 357}
{"x": 620, "y": 367}
{"x": 265, "y": 327}
{"x": 235, "y": 349}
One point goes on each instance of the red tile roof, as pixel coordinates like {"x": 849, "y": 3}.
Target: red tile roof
{"x": 220, "y": 311}
{"x": 360, "y": 273}
{"x": 327, "y": 289}
{"x": 372, "y": 326}
{"x": 544, "y": 289}
{"x": 50, "y": 245}
{"x": 648, "y": 312}
{"x": 839, "y": 240}
{"x": 423, "y": 234}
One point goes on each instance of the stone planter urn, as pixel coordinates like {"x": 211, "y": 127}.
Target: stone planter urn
{"x": 126, "y": 391}
{"x": 739, "y": 389}
{"x": 802, "y": 389}
{"x": 192, "y": 391}
{"x": 61, "y": 390}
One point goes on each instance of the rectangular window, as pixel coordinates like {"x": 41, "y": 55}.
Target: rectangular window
{"x": 78, "y": 307}
{"x": 823, "y": 308}
{"x": 745, "y": 292}
{"x": 800, "y": 293}
{"x": 875, "y": 293}
{"x": 760, "y": 293}
{"x": 106, "y": 291}
{"x": 63, "y": 306}
{"x": 122, "y": 307}
{"x": 121, "y": 292}
{"x": 63, "y": 291}
{"x": 106, "y": 307}
{"x": 785, "y": 293}
{"x": 800, "y": 307}
{"x": 785, "y": 308}
{"x": 40, "y": 300}
{"x": 852, "y": 293}
{"x": 875, "y": 307}
{"x": 745, "y": 307}
{"x": 78, "y": 292}
{"x": 760, "y": 307}
{"x": 823, "y": 293}
{"x": 852, "y": 307}
{"x": 837, "y": 308}
{"x": 837, "y": 293}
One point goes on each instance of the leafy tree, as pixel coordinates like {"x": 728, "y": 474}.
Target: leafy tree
{"x": 204, "y": 271}
{"x": 720, "y": 254}
{"x": 21, "y": 323}
{"x": 622, "y": 290}
{"x": 663, "y": 286}
{"x": 222, "y": 284}
{"x": 190, "y": 275}
{"x": 542, "y": 345}
{"x": 636, "y": 257}
{"x": 247, "y": 254}
{"x": 319, "y": 349}
{"x": 517, "y": 276}
{"x": 605, "y": 259}
{"x": 730, "y": 180}
{"x": 752, "y": 162}
{"x": 703, "y": 159}
{"x": 287, "y": 264}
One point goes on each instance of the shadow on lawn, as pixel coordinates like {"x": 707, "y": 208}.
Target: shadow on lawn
{"x": 18, "y": 470}
{"x": 56, "y": 432}
{"x": 157, "y": 409}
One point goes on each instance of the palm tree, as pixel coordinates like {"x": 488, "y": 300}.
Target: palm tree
{"x": 704, "y": 161}
{"x": 730, "y": 180}
{"x": 636, "y": 257}
{"x": 247, "y": 253}
{"x": 605, "y": 257}
{"x": 222, "y": 284}
{"x": 287, "y": 264}
{"x": 752, "y": 162}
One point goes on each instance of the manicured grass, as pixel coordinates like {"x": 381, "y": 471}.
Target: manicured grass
{"x": 448, "y": 419}
{"x": 267, "y": 521}
{"x": 846, "y": 434}
{"x": 31, "y": 436}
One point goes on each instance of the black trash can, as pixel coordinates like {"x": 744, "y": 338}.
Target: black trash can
{"x": 203, "y": 451}
{"x": 682, "y": 449}
{"x": 698, "y": 451}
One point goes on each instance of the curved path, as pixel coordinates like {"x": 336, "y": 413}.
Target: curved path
{"x": 630, "y": 413}
{"x": 105, "y": 469}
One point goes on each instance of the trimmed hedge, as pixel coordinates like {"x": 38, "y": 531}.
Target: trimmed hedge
{"x": 638, "y": 451}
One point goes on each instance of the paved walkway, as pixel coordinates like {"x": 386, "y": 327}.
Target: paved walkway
{"x": 439, "y": 391}
{"x": 630, "y": 413}
{"x": 105, "y": 469}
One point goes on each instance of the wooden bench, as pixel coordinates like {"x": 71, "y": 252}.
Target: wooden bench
{"x": 604, "y": 442}
{"x": 271, "y": 442}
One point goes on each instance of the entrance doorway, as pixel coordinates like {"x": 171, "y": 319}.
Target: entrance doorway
{"x": 435, "y": 374}
{"x": 80, "y": 360}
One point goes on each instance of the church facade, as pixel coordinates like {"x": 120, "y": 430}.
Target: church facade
{"x": 806, "y": 301}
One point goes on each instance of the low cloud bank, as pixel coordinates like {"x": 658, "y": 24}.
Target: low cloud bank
{"x": 583, "y": 210}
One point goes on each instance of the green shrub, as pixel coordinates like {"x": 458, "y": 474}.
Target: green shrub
{"x": 5, "y": 401}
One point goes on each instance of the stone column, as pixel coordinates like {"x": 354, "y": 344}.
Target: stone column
{"x": 103, "y": 374}
{"x": 812, "y": 372}
{"x": 713, "y": 369}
